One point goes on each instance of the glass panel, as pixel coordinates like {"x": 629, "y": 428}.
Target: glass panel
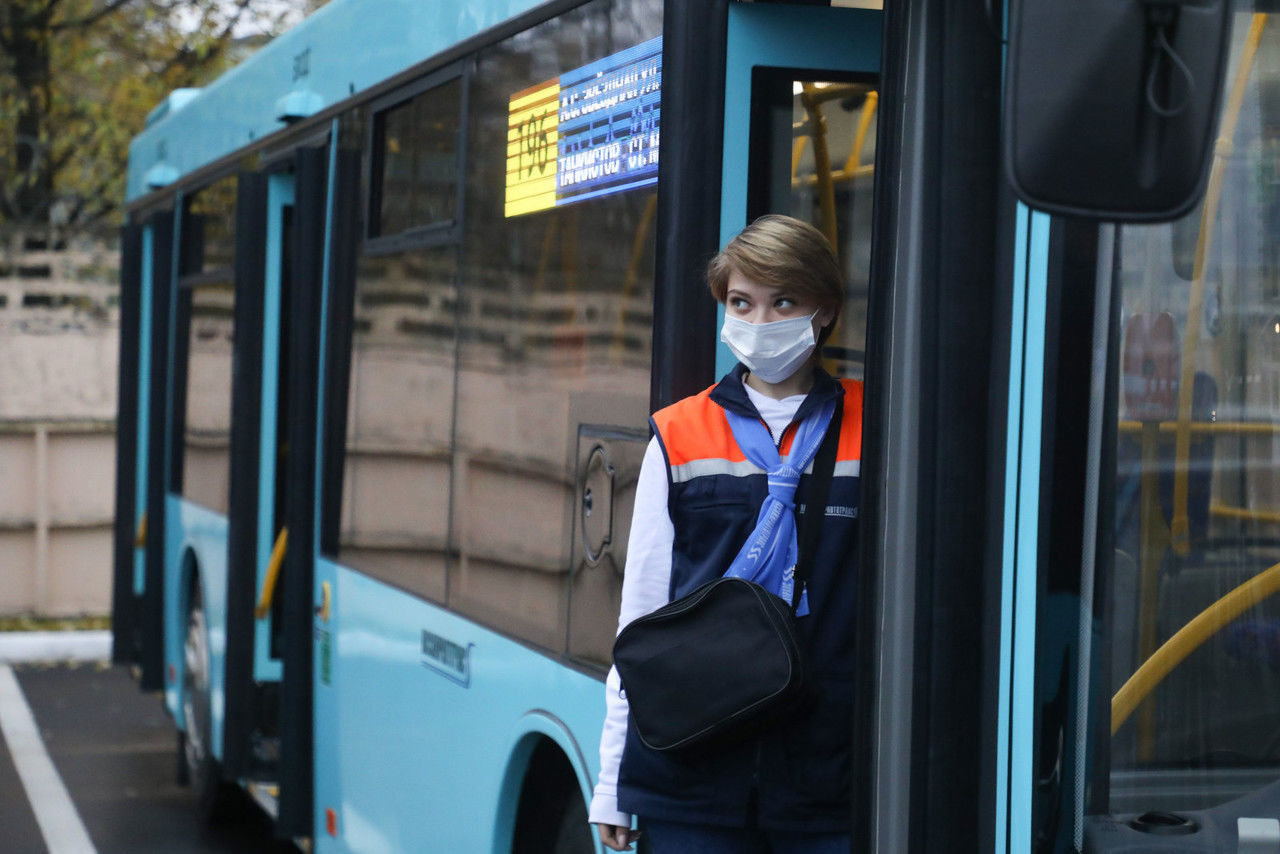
{"x": 821, "y": 148}
{"x": 395, "y": 507}
{"x": 1197, "y": 485}
{"x": 207, "y": 319}
{"x": 555, "y": 333}
{"x": 209, "y": 228}
{"x": 419, "y": 180}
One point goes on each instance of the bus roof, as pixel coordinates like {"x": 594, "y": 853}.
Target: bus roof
{"x": 345, "y": 47}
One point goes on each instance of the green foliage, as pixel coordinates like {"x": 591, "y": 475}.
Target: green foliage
{"x": 77, "y": 79}
{"x": 32, "y": 623}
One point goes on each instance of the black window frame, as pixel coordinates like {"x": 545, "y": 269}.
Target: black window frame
{"x": 430, "y": 234}
{"x": 191, "y": 275}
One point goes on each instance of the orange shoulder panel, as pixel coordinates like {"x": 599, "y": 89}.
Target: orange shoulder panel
{"x": 850, "y": 447}
{"x": 695, "y": 429}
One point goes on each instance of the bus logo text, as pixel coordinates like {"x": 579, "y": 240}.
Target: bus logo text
{"x": 447, "y": 658}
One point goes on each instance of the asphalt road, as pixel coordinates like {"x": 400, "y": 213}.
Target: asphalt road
{"x": 114, "y": 749}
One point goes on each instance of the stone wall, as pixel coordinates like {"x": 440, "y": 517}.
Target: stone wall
{"x": 59, "y": 327}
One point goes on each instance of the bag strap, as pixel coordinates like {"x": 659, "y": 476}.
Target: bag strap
{"x": 824, "y": 463}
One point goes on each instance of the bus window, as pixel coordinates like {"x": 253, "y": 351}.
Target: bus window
{"x": 205, "y": 336}
{"x": 395, "y": 503}
{"x": 815, "y": 142}
{"x": 415, "y": 162}
{"x": 556, "y": 312}
{"x": 1184, "y": 652}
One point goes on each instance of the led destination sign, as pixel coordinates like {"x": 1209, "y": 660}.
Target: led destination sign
{"x": 591, "y": 132}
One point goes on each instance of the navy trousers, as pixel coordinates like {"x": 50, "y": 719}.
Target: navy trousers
{"x": 669, "y": 837}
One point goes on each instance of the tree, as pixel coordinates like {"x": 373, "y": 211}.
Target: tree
{"x": 77, "y": 79}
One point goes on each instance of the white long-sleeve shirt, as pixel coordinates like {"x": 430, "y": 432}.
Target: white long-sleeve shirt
{"x": 646, "y": 586}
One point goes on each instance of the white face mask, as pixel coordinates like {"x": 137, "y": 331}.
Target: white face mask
{"x": 771, "y": 351}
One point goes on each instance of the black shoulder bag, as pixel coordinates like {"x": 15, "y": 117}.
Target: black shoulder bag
{"x": 724, "y": 660}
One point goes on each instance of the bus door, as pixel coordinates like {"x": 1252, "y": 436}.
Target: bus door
{"x": 801, "y": 90}
{"x": 146, "y": 267}
{"x": 154, "y": 370}
{"x": 130, "y": 532}
{"x": 1156, "y": 679}
{"x": 253, "y": 667}
{"x": 299, "y": 214}
{"x": 273, "y": 446}
{"x": 258, "y": 673}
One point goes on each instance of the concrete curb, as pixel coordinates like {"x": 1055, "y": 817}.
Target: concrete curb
{"x": 19, "y": 647}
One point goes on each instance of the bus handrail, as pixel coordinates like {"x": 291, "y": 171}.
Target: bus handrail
{"x": 273, "y": 575}
{"x": 140, "y": 538}
{"x": 860, "y": 138}
{"x": 1189, "y": 638}
{"x": 1242, "y": 428}
{"x": 853, "y": 166}
{"x": 811, "y": 98}
{"x": 1226, "y": 511}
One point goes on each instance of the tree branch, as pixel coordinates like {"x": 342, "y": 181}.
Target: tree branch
{"x": 81, "y": 219}
{"x": 88, "y": 20}
{"x": 241, "y": 5}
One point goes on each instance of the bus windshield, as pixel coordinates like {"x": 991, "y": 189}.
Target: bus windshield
{"x": 1190, "y": 661}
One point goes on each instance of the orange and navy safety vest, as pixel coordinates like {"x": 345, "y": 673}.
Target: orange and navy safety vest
{"x": 794, "y": 776}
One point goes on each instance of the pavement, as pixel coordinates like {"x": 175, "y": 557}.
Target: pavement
{"x": 90, "y": 766}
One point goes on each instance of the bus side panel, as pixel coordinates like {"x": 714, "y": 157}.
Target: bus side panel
{"x": 419, "y": 711}
{"x": 196, "y": 540}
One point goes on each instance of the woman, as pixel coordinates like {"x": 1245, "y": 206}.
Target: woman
{"x": 697, "y": 500}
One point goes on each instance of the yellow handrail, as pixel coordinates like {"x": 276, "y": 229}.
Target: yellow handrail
{"x": 273, "y": 575}
{"x": 1179, "y": 528}
{"x": 812, "y": 100}
{"x": 839, "y": 91}
{"x": 1230, "y": 428}
{"x": 797, "y": 153}
{"x": 838, "y": 176}
{"x": 1188, "y": 639}
{"x": 860, "y": 138}
{"x": 1225, "y": 511}
{"x": 140, "y": 539}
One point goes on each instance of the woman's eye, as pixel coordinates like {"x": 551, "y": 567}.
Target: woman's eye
{"x": 738, "y": 304}
{"x": 784, "y": 302}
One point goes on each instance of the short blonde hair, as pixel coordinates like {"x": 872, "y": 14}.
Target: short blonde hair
{"x": 781, "y": 251}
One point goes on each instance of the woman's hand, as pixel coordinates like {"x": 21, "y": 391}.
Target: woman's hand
{"x": 616, "y": 837}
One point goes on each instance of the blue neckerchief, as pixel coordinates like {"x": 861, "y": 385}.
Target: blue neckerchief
{"x": 768, "y": 557}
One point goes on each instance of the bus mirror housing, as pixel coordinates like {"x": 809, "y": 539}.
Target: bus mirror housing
{"x": 1111, "y": 106}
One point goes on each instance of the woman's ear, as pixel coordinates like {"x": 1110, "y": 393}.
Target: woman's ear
{"x": 825, "y": 317}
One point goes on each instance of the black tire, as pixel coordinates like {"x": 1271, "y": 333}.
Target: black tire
{"x": 574, "y": 835}
{"x": 198, "y": 767}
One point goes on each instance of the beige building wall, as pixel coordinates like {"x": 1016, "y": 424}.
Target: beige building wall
{"x": 59, "y": 327}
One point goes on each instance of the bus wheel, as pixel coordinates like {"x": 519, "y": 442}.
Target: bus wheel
{"x": 551, "y": 817}
{"x": 199, "y": 766}
{"x": 574, "y": 835}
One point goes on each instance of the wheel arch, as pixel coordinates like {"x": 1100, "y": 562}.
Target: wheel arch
{"x": 177, "y": 603}
{"x": 540, "y": 741}
{"x": 189, "y": 576}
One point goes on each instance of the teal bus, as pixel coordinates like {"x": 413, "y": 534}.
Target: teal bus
{"x": 400, "y": 291}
